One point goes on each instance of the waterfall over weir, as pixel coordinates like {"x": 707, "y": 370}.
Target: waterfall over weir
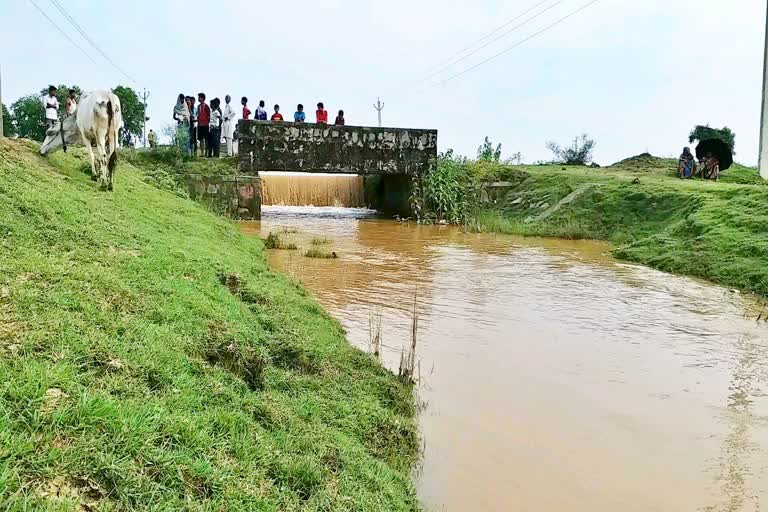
{"x": 312, "y": 190}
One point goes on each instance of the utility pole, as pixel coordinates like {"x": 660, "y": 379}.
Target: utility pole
{"x": 763, "y": 163}
{"x": 1, "y": 103}
{"x": 379, "y": 106}
{"x": 144, "y": 116}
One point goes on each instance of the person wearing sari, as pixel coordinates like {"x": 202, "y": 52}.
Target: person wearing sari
{"x": 686, "y": 165}
{"x": 182, "y": 117}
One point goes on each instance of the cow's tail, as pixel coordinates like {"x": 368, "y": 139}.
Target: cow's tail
{"x": 112, "y": 134}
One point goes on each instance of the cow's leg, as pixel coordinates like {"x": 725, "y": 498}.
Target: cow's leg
{"x": 102, "y": 161}
{"x": 88, "y": 148}
{"x": 87, "y": 144}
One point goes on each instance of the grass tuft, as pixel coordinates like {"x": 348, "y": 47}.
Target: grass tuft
{"x": 317, "y": 253}
{"x": 273, "y": 241}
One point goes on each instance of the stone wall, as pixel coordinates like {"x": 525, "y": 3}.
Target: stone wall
{"x": 239, "y": 197}
{"x": 267, "y": 146}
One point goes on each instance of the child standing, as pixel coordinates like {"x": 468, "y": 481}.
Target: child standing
{"x": 261, "y": 113}
{"x": 214, "y": 141}
{"x": 299, "y": 116}
{"x": 321, "y": 114}
{"x": 277, "y": 116}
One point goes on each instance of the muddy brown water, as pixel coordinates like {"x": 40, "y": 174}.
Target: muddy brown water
{"x": 553, "y": 377}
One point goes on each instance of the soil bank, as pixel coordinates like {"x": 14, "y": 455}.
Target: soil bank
{"x": 150, "y": 359}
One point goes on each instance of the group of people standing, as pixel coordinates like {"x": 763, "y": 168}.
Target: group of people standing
{"x": 200, "y": 125}
{"x": 52, "y": 105}
{"x": 321, "y": 115}
{"x": 707, "y": 168}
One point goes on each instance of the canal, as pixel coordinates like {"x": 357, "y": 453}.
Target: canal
{"x": 552, "y": 377}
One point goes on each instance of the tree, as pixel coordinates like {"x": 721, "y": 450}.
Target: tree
{"x": 580, "y": 153}
{"x": 9, "y": 130}
{"x": 132, "y": 110}
{"x": 29, "y": 117}
{"x": 705, "y": 132}
{"x": 487, "y": 153}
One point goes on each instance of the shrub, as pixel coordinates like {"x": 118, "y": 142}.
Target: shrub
{"x": 580, "y": 153}
{"x": 273, "y": 241}
{"x": 447, "y": 188}
{"x": 487, "y": 153}
{"x": 706, "y": 132}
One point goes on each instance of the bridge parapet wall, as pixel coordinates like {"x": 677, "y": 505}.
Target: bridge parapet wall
{"x": 306, "y": 147}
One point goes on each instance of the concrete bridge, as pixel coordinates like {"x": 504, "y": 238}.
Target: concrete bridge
{"x": 389, "y": 158}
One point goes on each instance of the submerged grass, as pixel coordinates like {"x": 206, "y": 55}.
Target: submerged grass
{"x": 716, "y": 231}
{"x": 320, "y": 241}
{"x": 150, "y": 360}
{"x": 273, "y": 241}
{"x": 314, "y": 252}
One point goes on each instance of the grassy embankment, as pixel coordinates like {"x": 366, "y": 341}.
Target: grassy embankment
{"x": 715, "y": 231}
{"x": 150, "y": 360}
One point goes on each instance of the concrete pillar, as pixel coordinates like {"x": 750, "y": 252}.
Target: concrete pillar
{"x": 763, "y": 163}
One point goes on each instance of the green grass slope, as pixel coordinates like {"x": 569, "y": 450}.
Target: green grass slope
{"x": 150, "y": 360}
{"x": 716, "y": 231}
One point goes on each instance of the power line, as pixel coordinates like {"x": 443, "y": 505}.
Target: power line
{"x": 491, "y": 33}
{"x": 62, "y": 32}
{"x": 500, "y": 36}
{"x": 96, "y": 47}
{"x": 457, "y": 75}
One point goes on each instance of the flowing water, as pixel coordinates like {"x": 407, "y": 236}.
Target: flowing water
{"x": 318, "y": 190}
{"x": 553, "y": 377}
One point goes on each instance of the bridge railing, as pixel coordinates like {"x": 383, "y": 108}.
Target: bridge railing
{"x": 308, "y": 147}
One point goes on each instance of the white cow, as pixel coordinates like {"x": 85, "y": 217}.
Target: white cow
{"x": 95, "y": 122}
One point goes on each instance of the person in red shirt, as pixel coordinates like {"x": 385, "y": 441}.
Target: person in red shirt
{"x": 246, "y": 110}
{"x": 321, "y": 114}
{"x": 277, "y": 116}
{"x": 203, "y": 124}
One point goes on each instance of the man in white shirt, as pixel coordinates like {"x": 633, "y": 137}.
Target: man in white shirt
{"x": 51, "y": 107}
{"x": 230, "y": 122}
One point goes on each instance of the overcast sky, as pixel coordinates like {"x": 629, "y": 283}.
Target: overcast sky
{"x": 635, "y": 75}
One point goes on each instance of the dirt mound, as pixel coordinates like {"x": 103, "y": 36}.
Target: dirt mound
{"x": 646, "y": 162}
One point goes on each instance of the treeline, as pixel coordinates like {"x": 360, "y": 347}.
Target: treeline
{"x": 26, "y": 116}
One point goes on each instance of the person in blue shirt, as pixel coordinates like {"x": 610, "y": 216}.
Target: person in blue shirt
{"x": 299, "y": 116}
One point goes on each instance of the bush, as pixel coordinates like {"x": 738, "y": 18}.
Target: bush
{"x": 487, "y": 153}
{"x": 273, "y": 241}
{"x": 580, "y": 153}
{"x": 447, "y": 189}
{"x": 706, "y": 132}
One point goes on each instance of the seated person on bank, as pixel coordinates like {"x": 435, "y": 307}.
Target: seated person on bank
{"x": 710, "y": 167}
